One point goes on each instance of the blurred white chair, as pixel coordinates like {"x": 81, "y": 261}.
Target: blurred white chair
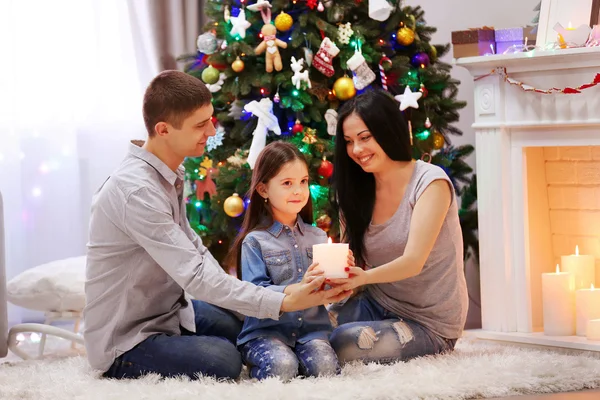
{"x": 8, "y": 338}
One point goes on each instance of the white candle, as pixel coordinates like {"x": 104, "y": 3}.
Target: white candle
{"x": 593, "y": 329}
{"x": 332, "y": 259}
{"x": 588, "y": 307}
{"x": 583, "y": 268}
{"x": 558, "y": 301}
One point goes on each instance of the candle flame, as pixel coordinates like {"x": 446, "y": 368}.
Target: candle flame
{"x": 592, "y": 288}
{"x": 557, "y": 269}
{"x": 570, "y": 27}
{"x": 329, "y": 241}
{"x": 576, "y": 250}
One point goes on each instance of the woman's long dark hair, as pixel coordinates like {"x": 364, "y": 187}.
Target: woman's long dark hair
{"x": 270, "y": 161}
{"x": 354, "y": 188}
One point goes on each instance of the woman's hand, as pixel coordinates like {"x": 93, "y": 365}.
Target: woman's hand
{"x": 356, "y": 277}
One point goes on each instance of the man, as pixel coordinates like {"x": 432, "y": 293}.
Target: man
{"x": 143, "y": 257}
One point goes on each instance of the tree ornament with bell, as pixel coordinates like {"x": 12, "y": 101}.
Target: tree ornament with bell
{"x": 210, "y": 75}
{"x": 238, "y": 65}
{"x": 405, "y": 36}
{"x": 234, "y": 206}
{"x": 344, "y": 88}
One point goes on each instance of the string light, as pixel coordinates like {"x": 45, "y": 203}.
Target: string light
{"x": 198, "y": 204}
{"x": 36, "y": 192}
{"x": 44, "y": 168}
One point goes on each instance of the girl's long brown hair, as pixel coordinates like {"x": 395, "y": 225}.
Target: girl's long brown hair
{"x": 270, "y": 161}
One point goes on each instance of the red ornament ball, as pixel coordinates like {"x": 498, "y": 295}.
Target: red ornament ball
{"x": 297, "y": 128}
{"x": 325, "y": 169}
{"x": 424, "y": 90}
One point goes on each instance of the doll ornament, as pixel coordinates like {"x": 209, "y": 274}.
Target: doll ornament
{"x": 270, "y": 46}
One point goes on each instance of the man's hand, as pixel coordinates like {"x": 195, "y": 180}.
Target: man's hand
{"x": 307, "y": 295}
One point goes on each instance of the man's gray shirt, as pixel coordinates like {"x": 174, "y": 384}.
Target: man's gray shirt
{"x": 143, "y": 258}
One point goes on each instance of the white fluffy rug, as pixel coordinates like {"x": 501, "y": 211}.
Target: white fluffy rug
{"x": 474, "y": 370}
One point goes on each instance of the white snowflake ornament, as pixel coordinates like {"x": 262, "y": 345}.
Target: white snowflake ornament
{"x": 215, "y": 141}
{"x": 408, "y": 99}
{"x": 345, "y": 32}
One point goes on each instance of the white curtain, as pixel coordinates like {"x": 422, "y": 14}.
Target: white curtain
{"x": 72, "y": 76}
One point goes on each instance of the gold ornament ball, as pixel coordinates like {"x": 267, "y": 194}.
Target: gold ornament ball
{"x": 438, "y": 140}
{"x": 344, "y": 88}
{"x": 283, "y": 22}
{"x": 324, "y": 222}
{"x": 433, "y": 52}
{"x": 234, "y": 206}
{"x": 237, "y": 65}
{"x": 405, "y": 36}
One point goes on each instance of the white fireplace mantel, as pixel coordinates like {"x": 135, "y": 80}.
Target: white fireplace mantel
{"x": 508, "y": 120}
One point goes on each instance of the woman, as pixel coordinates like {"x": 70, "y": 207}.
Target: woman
{"x": 400, "y": 218}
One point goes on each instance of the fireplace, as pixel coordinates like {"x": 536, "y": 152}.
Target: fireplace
{"x": 538, "y": 167}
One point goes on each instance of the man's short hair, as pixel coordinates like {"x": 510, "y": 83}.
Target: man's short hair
{"x": 171, "y": 97}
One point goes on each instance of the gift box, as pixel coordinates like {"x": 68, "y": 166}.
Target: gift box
{"x": 473, "y": 42}
{"x": 507, "y": 38}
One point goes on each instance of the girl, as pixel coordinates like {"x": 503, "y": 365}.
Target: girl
{"x": 274, "y": 250}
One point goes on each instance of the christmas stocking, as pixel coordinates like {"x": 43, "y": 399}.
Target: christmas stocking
{"x": 324, "y": 57}
{"x": 363, "y": 75}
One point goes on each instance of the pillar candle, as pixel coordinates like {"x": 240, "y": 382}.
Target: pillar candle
{"x": 593, "y": 329}
{"x": 332, "y": 259}
{"x": 587, "y": 304}
{"x": 583, "y": 268}
{"x": 558, "y": 301}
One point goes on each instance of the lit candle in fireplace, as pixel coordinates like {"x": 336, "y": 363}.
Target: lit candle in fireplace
{"x": 588, "y": 307}
{"x": 583, "y": 268}
{"x": 558, "y": 302}
{"x": 332, "y": 258}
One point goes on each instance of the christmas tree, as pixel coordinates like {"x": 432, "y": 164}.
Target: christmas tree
{"x": 279, "y": 70}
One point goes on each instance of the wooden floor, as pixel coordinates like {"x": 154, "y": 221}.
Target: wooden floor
{"x": 585, "y": 395}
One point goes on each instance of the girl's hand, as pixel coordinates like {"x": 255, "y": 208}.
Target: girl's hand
{"x": 351, "y": 261}
{"x": 312, "y": 273}
{"x": 358, "y": 277}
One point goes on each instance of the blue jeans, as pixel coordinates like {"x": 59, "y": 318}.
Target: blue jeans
{"x": 368, "y": 332}
{"x": 267, "y": 357}
{"x": 210, "y": 351}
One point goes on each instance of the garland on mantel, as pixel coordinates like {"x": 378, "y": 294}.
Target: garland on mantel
{"x": 568, "y": 90}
